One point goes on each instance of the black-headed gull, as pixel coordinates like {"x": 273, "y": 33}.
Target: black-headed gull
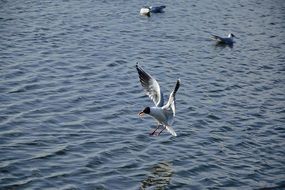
{"x": 163, "y": 114}
{"x": 226, "y": 40}
{"x": 146, "y": 10}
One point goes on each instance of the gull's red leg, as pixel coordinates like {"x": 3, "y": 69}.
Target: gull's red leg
{"x": 152, "y": 133}
{"x": 162, "y": 130}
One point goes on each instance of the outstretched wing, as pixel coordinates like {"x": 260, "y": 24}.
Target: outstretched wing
{"x": 171, "y": 100}
{"x": 150, "y": 86}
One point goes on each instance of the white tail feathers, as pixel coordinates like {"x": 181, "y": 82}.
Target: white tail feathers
{"x": 171, "y": 130}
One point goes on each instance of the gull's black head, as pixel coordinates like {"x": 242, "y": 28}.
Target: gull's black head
{"x": 146, "y": 110}
{"x": 232, "y": 35}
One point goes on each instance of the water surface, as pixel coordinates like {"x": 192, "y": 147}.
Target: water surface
{"x": 70, "y": 94}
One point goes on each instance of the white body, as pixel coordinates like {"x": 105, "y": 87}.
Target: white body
{"x": 163, "y": 116}
{"x": 226, "y": 40}
{"x": 144, "y": 11}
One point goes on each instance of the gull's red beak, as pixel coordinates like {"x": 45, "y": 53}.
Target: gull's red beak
{"x": 141, "y": 113}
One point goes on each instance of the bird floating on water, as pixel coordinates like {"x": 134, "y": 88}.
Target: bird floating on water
{"x": 146, "y": 10}
{"x": 163, "y": 114}
{"x": 225, "y": 40}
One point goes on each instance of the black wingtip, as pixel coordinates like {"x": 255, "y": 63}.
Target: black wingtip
{"x": 141, "y": 72}
{"x": 177, "y": 85}
{"x": 215, "y": 37}
{"x": 138, "y": 67}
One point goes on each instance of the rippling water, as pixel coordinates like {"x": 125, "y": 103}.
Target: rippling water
{"x": 70, "y": 94}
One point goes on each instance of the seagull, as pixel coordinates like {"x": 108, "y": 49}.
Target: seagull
{"x": 146, "y": 10}
{"x": 227, "y": 40}
{"x": 163, "y": 113}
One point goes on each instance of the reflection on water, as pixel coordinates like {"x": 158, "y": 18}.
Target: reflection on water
{"x": 159, "y": 177}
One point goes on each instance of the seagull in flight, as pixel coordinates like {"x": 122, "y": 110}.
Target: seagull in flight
{"x": 163, "y": 113}
{"x": 226, "y": 40}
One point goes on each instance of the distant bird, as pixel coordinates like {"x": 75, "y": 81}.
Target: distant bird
{"x": 163, "y": 114}
{"x": 226, "y": 40}
{"x": 146, "y": 10}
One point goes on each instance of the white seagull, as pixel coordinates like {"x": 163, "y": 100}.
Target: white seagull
{"x": 163, "y": 114}
{"x": 146, "y": 10}
{"x": 226, "y": 40}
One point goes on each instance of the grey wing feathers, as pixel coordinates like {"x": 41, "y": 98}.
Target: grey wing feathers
{"x": 151, "y": 86}
{"x": 158, "y": 9}
{"x": 218, "y": 38}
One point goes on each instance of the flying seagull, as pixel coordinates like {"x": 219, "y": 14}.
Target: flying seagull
{"x": 226, "y": 40}
{"x": 163, "y": 113}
